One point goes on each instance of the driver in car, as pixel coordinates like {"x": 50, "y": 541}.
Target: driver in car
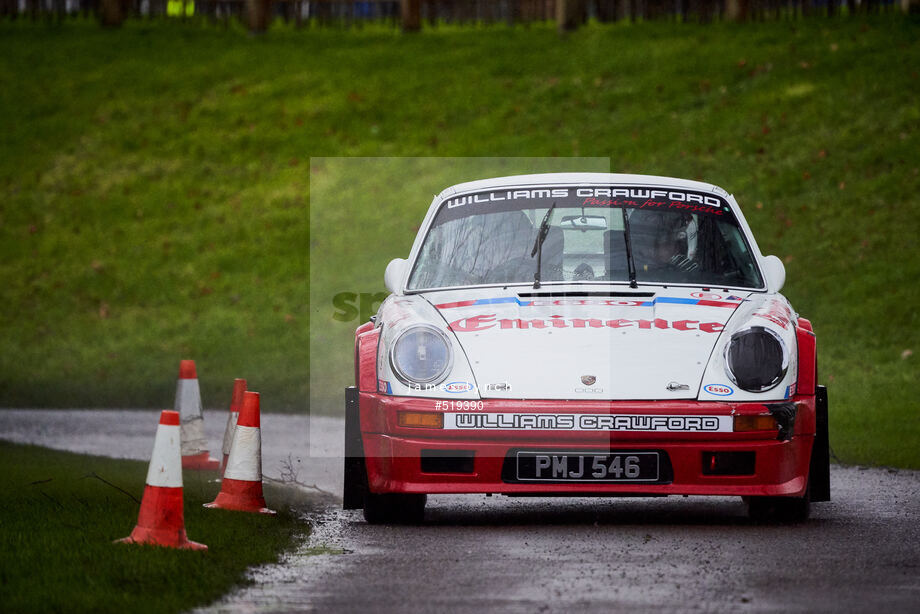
{"x": 660, "y": 241}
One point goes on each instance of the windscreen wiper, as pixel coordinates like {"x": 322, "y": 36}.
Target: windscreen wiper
{"x": 538, "y": 245}
{"x": 629, "y": 257}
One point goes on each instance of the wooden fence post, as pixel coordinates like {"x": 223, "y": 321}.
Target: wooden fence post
{"x": 569, "y": 14}
{"x": 258, "y": 15}
{"x": 737, "y": 10}
{"x": 111, "y": 13}
{"x": 411, "y": 12}
{"x": 514, "y": 13}
{"x": 606, "y": 11}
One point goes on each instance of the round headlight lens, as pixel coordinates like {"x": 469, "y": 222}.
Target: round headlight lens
{"x": 756, "y": 358}
{"x": 421, "y": 355}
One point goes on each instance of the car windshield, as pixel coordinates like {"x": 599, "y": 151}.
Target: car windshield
{"x": 674, "y": 236}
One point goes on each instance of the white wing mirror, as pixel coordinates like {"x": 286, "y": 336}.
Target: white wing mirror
{"x": 395, "y": 273}
{"x": 775, "y": 271}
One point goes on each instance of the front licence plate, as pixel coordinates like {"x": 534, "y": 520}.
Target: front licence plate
{"x": 580, "y": 467}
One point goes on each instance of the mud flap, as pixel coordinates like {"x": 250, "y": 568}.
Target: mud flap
{"x": 355, "y": 470}
{"x": 820, "y": 469}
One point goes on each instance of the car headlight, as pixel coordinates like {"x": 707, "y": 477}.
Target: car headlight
{"x": 756, "y": 359}
{"x": 421, "y": 355}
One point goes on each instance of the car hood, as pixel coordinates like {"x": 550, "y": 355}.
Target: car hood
{"x": 645, "y": 344}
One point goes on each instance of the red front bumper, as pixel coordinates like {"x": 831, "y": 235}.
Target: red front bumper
{"x": 393, "y": 453}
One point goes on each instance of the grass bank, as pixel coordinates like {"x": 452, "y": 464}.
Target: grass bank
{"x": 56, "y": 550}
{"x": 154, "y": 187}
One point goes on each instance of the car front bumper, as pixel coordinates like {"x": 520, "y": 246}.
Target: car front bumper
{"x": 394, "y": 454}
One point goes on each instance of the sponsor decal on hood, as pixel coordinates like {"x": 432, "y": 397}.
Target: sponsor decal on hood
{"x": 730, "y": 302}
{"x": 721, "y": 390}
{"x": 635, "y": 346}
{"x": 457, "y": 387}
{"x": 486, "y": 321}
{"x": 776, "y": 311}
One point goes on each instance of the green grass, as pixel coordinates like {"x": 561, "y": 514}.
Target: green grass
{"x": 56, "y": 550}
{"x": 154, "y": 187}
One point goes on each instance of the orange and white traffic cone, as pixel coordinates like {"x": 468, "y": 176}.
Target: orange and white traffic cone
{"x": 195, "y": 454}
{"x": 241, "y": 488}
{"x": 239, "y": 387}
{"x": 161, "y": 521}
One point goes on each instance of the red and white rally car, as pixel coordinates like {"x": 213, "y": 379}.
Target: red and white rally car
{"x": 585, "y": 334}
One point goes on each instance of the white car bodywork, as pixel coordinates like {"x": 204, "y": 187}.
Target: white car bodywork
{"x": 597, "y": 340}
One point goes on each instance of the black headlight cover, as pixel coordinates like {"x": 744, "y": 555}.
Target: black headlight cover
{"x": 756, "y": 358}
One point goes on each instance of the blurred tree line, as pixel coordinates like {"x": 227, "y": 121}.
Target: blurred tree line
{"x": 412, "y": 15}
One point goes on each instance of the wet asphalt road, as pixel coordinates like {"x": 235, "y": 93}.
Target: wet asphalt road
{"x": 858, "y": 553}
{"x": 311, "y": 448}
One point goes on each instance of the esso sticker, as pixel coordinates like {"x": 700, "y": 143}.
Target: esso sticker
{"x": 719, "y": 389}
{"x": 706, "y": 295}
{"x": 457, "y": 387}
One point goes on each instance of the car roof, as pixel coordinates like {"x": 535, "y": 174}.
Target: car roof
{"x": 580, "y": 178}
